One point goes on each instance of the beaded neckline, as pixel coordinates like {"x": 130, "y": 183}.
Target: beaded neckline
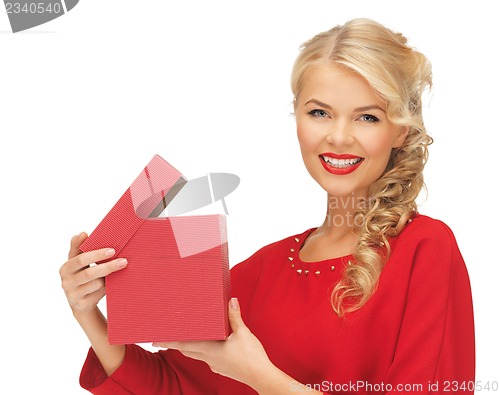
{"x": 312, "y": 269}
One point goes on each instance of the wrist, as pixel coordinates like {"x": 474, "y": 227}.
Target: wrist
{"x": 268, "y": 378}
{"x": 273, "y": 381}
{"x": 84, "y": 316}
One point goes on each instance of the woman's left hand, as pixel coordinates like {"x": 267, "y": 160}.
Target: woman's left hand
{"x": 241, "y": 357}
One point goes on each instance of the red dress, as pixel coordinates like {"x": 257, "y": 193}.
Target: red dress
{"x": 414, "y": 335}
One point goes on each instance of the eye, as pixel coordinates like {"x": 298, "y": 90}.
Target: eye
{"x": 318, "y": 113}
{"x": 368, "y": 118}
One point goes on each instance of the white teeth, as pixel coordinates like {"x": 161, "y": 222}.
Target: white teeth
{"x": 340, "y": 163}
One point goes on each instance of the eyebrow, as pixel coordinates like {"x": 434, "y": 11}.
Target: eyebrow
{"x": 359, "y": 109}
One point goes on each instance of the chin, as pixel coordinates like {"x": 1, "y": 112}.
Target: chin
{"x": 341, "y": 188}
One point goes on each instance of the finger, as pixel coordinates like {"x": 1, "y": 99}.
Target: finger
{"x": 85, "y": 259}
{"x": 99, "y": 271}
{"x": 82, "y": 261}
{"x": 172, "y": 345}
{"x": 94, "y": 298}
{"x": 76, "y": 242}
{"x": 193, "y": 355}
{"x": 235, "y": 319}
{"x": 88, "y": 302}
{"x": 81, "y": 292}
{"x": 91, "y": 287}
{"x": 197, "y": 347}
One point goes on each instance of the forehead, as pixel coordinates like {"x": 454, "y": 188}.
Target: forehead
{"x": 335, "y": 84}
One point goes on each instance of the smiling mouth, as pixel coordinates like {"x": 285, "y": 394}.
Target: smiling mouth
{"x": 341, "y": 163}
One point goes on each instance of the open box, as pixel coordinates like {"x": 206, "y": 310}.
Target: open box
{"x": 176, "y": 285}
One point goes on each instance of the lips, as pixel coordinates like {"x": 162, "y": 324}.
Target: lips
{"x": 340, "y": 164}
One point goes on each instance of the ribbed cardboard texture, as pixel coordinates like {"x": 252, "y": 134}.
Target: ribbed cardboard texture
{"x": 176, "y": 285}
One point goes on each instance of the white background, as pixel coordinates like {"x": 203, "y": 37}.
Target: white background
{"x": 87, "y": 99}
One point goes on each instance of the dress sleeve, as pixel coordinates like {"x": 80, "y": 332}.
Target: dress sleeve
{"x": 145, "y": 373}
{"x": 435, "y": 352}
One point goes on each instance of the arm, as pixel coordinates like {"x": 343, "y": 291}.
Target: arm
{"x": 119, "y": 369}
{"x": 436, "y": 340}
{"x": 241, "y": 357}
{"x": 94, "y": 325}
{"x": 84, "y": 287}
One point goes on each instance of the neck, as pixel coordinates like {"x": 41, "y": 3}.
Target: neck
{"x": 340, "y": 218}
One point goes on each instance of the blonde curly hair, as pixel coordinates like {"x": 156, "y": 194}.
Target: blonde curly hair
{"x": 400, "y": 75}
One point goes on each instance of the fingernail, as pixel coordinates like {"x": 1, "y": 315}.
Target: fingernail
{"x": 233, "y": 303}
{"x": 155, "y": 345}
{"x": 122, "y": 262}
{"x": 110, "y": 252}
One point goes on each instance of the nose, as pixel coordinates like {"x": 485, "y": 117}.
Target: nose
{"x": 340, "y": 133}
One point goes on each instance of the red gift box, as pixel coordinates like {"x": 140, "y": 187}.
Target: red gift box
{"x": 176, "y": 285}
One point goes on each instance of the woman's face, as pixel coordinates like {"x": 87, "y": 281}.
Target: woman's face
{"x": 344, "y": 134}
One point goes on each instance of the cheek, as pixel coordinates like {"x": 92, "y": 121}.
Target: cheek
{"x": 309, "y": 137}
{"x": 303, "y": 138}
{"x": 378, "y": 151}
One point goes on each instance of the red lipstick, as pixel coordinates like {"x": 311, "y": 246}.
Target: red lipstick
{"x": 340, "y": 164}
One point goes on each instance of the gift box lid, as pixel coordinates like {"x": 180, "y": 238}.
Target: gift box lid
{"x": 177, "y": 283}
{"x": 146, "y": 197}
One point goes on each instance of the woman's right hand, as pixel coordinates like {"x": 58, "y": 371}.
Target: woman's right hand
{"x": 83, "y": 282}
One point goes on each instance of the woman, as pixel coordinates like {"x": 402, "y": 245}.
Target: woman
{"x": 376, "y": 299}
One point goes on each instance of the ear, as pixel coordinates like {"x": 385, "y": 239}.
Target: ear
{"x": 401, "y": 136}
